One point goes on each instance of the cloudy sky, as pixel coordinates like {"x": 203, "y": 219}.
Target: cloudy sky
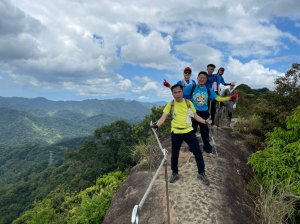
{"x": 82, "y": 49}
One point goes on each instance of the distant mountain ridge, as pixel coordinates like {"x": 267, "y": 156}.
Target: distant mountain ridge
{"x": 91, "y": 107}
{"x": 44, "y": 121}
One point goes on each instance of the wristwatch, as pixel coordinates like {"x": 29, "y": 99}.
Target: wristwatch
{"x": 206, "y": 122}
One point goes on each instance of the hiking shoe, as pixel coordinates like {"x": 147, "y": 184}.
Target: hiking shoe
{"x": 174, "y": 177}
{"x": 208, "y": 150}
{"x": 203, "y": 178}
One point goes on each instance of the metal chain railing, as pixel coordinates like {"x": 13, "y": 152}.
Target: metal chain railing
{"x": 137, "y": 208}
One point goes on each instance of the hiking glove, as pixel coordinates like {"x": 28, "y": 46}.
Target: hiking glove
{"x": 166, "y": 84}
{"x": 154, "y": 126}
{"x": 234, "y": 96}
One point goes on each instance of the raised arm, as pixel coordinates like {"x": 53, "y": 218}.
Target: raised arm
{"x": 223, "y": 81}
{"x": 167, "y": 84}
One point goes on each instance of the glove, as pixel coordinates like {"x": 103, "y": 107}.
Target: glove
{"x": 234, "y": 96}
{"x": 154, "y": 126}
{"x": 166, "y": 84}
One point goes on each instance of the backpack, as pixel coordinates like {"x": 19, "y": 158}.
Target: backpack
{"x": 172, "y": 106}
{"x": 182, "y": 83}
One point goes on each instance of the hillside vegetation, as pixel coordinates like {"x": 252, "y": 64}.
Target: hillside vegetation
{"x": 271, "y": 121}
{"x": 79, "y": 188}
{"x": 41, "y": 151}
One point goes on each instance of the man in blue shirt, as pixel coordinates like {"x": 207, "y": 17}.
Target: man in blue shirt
{"x": 200, "y": 95}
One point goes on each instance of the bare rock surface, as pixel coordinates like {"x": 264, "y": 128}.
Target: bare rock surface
{"x": 191, "y": 202}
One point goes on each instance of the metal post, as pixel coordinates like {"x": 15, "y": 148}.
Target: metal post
{"x": 135, "y": 215}
{"x": 167, "y": 191}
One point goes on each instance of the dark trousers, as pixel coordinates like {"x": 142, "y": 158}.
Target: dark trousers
{"x": 191, "y": 140}
{"x": 204, "y": 131}
{"x": 212, "y": 106}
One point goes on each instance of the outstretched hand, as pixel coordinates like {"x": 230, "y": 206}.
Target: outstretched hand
{"x": 154, "y": 126}
{"x": 234, "y": 96}
{"x": 166, "y": 84}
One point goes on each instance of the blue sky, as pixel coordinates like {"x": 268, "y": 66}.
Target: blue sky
{"x": 76, "y": 50}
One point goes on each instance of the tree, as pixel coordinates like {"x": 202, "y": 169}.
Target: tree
{"x": 280, "y": 103}
{"x": 279, "y": 162}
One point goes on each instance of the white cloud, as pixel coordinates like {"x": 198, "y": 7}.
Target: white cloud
{"x": 143, "y": 97}
{"x": 202, "y": 55}
{"x": 81, "y": 45}
{"x": 251, "y": 73}
{"x": 150, "y": 51}
{"x": 143, "y": 79}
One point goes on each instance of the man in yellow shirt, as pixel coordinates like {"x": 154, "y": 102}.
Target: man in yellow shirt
{"x": 182, "y": 130}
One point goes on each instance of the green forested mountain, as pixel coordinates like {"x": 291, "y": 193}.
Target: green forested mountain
{"x": 18, "y": 127}
{"x": 47, "y": 145}
{"x": 43, "y": 121}
{"x": 54, "y": 183}
{"x": 120, "y": 108}
{"x": 109, "y": 150}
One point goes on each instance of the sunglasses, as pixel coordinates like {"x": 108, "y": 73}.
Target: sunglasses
{"x": 187, "y": 72}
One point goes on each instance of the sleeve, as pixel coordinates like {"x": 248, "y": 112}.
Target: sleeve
{"x": 167, "y": 108}
{"x": 222, "y": 99}
{"x": 223, "y": 82}
{"x": 179, "y": 82}
{"x": 214, "y": 96}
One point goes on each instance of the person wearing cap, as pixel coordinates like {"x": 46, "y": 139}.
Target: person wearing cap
{"x": 200, "y": 96}
{"x": 230, "y": 105}
{"x": 186, "y": 81}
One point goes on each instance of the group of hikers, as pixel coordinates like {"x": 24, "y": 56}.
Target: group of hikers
{"x": 194, "y": 105}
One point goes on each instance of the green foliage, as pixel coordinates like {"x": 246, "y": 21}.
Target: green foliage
{"x": 280, "y": 161}
{"x": 119, "y": 138}
{"x": 275, "y": 204}
{"x": 142, "y": 131}
{"x": 79, "y": 170}
{"x": 247, "y": 99}
{"x": 250, "y": 125}
{"x": 271, "y": 106}
{"x": 87, "y": 206}
{"x": 27, "y": 177}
